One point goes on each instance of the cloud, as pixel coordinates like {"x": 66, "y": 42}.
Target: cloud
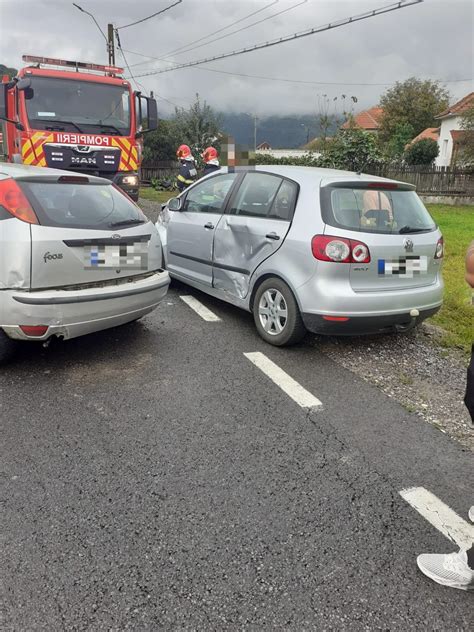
{"x": 429, "y": 40}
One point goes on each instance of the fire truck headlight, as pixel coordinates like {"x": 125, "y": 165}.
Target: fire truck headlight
{"x": 131, "y": 180}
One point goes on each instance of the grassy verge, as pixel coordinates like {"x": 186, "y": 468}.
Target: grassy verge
{"x": 456, "y": 316}
{"x": 148, "y": 193}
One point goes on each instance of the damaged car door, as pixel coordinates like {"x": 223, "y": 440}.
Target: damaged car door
{"x": 253, "y": 228}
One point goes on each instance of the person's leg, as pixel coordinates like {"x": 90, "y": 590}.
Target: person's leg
{"x": 469, "y": 397}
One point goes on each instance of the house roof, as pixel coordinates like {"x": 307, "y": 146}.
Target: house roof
{"x": 458, "y": 108}
{"x": 368, "y": 119}
{"x": 461, "y": 135}
{"x": 429, "y": 132}
{"x": 264, "y": 145}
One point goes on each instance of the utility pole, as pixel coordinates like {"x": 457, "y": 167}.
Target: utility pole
{"x": 111, "y": 44}
{"x": 255, "y": 119}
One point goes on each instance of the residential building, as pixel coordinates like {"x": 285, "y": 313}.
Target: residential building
{"x": 368, "y": 120}
{"x": 450, "y": 130}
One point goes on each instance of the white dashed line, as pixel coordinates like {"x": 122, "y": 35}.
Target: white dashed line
{"x": 199, "y": 308}
{"x": 287, "y": 384}
{"x": 440, "y": 516}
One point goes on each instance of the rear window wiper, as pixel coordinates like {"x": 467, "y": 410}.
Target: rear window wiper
{"x": 58, "y": 125}
{"x": 408, "y": 229}
{"x": 128, "y": 222}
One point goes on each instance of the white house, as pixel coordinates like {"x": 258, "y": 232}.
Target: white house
{"x": 450, "y": 126}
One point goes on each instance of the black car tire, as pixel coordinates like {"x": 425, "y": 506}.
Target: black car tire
{"x": 293, "y": 329}
{"x": 7, "y": 348}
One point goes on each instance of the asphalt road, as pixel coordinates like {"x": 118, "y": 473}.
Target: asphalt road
{"x": 153, "y": 478}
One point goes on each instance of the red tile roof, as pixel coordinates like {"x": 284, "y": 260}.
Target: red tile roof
{"x": 368, "y": 119}
{"x": 458, "y": 108}
{"x": 429, "y": 132}
{"x": 461, "y": 134}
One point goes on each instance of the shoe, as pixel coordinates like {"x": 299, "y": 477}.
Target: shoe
{"x": 449, "y": 570}
{"x": 471, "y": 513}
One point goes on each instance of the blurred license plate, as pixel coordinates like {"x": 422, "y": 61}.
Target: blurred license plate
{"x": 121, "y": 255}
{"x": 403, "y": 267}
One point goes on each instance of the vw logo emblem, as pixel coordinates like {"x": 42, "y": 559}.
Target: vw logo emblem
{"x": 408, "y": 244}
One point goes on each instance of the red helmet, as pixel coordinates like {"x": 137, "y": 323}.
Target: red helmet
{"x": 210, "y": 153}
{"x": 183, "y": 151}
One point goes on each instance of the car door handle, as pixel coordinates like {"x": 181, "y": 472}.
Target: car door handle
{"x": 209, "y": 225}
{"x": 273, "y": 236}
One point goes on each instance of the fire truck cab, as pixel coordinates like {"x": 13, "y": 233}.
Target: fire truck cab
{"x": 80, "y": 116}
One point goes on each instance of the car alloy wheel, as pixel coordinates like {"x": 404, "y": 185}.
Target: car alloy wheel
{"x": 273, "y": 312}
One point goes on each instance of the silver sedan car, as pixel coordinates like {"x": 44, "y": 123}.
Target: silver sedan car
{"x": 332, "y": 252}
{"x": 76, "y": 256}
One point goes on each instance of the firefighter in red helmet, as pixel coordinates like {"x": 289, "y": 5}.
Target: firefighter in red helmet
{"x": 187, "y": 170}
{"x": 211, "y": 160}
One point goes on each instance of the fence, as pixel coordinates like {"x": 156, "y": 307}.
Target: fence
{"x": 430, "y": 180}
{"x": 427, "y": 179}
{"x": 166, "y": 169}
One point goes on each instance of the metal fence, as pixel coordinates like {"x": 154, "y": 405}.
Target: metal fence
{"x": 164, "y": 170}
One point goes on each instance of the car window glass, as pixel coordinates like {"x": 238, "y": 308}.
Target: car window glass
{"x": 256, "y": 195}
{"x": 372, "y": 210}
{"x": 209, "y": 196}
{"x": 284, "y": 202}
{"x": 81, "y": 205}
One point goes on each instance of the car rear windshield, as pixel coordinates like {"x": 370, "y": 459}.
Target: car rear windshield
{"x": 373, "y": 210}
{"x": 96, "y": 206}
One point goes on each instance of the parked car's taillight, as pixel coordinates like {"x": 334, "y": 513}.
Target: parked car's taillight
{"x": 339, "y": 249}
{"x": 15, "y": 201}
{"x": 439, "y": 249}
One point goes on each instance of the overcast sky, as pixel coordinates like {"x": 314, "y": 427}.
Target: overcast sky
{"x": 431, "y": 40}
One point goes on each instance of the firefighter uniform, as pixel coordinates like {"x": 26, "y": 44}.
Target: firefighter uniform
{"x": 187, "y": 174}
{"x": 211, "y": 166}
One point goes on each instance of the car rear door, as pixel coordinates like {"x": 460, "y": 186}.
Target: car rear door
{"x": 393, "y": 223}
{"x": 190, "y": 232}
{"x": 87, "y": 234}
{"x": 253, "y": 228}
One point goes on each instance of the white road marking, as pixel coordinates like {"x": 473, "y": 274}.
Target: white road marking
{"x": 199, "y": 308}
{"x": 440, "y": 516}
{"x": 287, "y": 384}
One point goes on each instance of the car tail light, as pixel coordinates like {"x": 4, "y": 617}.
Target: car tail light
{"x": 15, "y": 201}
{"x": 439, "y": 253}
{"x": 34, "y": 330}
{"x": 74, "y": 179}
{"x": 339, "y": 249}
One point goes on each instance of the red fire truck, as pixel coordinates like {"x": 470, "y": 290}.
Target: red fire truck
{"x": 82, "y": 117}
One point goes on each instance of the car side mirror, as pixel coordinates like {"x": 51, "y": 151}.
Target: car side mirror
{"x": 175, "y": 204}
{"x": 24, "y": 83}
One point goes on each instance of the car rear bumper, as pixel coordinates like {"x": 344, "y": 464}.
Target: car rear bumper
{"x": 363, "y": 325}
{"x": 72, "y": 313}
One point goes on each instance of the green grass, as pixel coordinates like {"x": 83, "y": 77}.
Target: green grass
{"x": 456, "y": 316}
{"x": 147, "y": 193}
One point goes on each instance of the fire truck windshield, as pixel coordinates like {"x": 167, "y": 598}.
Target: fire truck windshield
{"x": 70, "y": 105}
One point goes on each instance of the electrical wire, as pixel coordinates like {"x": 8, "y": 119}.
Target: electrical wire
{"x": 244, "y": 28}
{"x": 125, "y": 26}
{"x": 282, "y": 40}
{"x": 95, "y": 21}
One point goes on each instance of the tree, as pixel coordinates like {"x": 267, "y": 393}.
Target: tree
{"x": 162, "y": 143}
{"x": 352, "y": 149}
{"x": 415, "y": 102}
{"x": 198, "y": 127}
{"x": 402, "y": 135}
{"x": 423, "y": 152}
{"x": 11, "y": 72}
{"x": 465, "y": 153}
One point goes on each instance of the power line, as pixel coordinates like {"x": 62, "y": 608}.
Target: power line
{"x": 95, "y": 21}
{"x": 224, "y": 28}
{"x": 243, "y": 28}
{"x": 317, "y": 83}
{"x": 282, "y": 40}
{"x": 125, "y": 26}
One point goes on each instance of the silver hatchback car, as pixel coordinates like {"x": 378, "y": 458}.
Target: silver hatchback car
{"x": 76, "y": 256}
{"x": 328, "y": 251}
